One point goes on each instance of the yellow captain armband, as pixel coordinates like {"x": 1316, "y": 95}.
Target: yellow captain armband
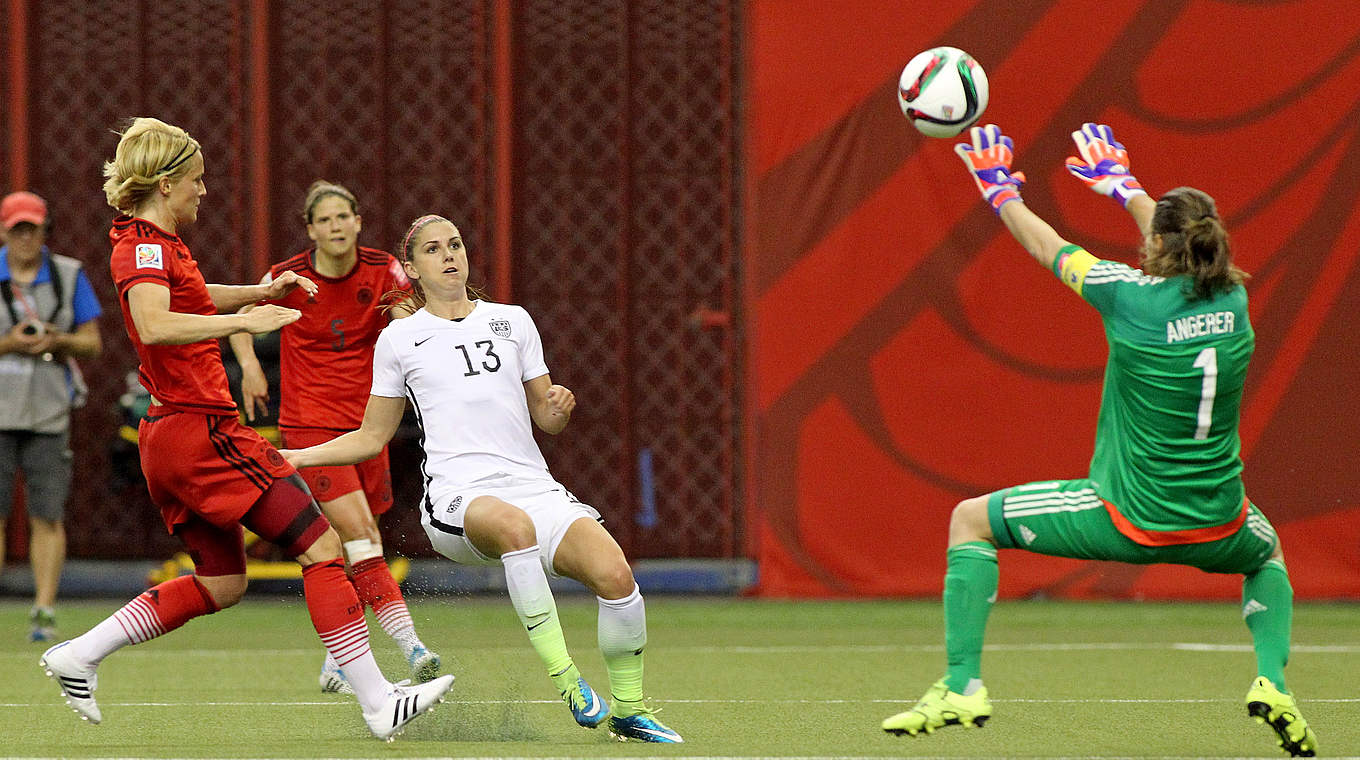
{"x": 1072, "y": 264}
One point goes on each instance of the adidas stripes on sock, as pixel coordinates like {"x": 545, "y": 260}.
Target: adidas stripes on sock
{"x": 377, "y": 589}
{"x": 1268, "y": 608}
{"x": 338, "y": 616}
{"x": 155, "y": 612}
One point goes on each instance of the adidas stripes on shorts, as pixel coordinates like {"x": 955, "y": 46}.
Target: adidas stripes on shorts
{"x": 1065, "y": 518}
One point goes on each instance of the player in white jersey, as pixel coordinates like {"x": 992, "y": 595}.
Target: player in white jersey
{"x": 474, "y": 372}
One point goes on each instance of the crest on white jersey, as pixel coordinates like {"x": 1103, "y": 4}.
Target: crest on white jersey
{"x": 149, "y": 256}
{"x": 501, "y": 328}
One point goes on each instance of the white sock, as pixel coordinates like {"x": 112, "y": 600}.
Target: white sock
{"x": 395, "y": 620}
{"x": 622, "y": 636}
{"x": 100, "y": 641}
{"x": 533, "y": 602}
{"x": 528, "y": 586}
{"x": 356, "y": 660}
{"x": 622, "y": 624}
{"x": 371, "y": 687}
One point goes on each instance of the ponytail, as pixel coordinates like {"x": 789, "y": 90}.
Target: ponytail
{"x": 1194, "y": 243}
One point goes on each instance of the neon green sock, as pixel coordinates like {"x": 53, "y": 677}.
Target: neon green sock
{"x": 533, "y": 602}
{"x": 1268, "y": 608}
{"x": 969, "y": 590}
{"x": 546, "y": 639}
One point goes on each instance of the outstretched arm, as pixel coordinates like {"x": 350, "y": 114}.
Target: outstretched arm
{"x": 382, "y": 417}
{"x": 1141, "y": 209}
{"x": 149, "y": 306}
{"x": 1032, "y": 233}
{"x": 1103, "y": 165}
{"x": 988, "y": 158}
{"x": 232, "y": 297}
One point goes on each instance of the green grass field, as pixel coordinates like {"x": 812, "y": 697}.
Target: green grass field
{"x": 737, "y": 678}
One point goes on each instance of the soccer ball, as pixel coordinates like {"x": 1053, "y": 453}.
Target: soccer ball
{"x": 942, "y": 91}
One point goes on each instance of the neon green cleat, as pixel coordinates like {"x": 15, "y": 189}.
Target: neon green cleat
{"x": 941, "y": 707}
{"x": 1276, "y": 709}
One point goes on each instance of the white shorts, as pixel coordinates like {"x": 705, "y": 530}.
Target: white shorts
{"x": 550, "y": 505}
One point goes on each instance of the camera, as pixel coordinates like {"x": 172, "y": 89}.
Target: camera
{"x": 32, "y": 328}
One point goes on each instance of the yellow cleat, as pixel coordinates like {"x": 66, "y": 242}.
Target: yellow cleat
{"x": 1276, "y": 709}
{"x": 941, "y": 707}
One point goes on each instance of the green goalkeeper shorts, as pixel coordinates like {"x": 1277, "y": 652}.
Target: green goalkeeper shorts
{"x": 1065, "y": 518}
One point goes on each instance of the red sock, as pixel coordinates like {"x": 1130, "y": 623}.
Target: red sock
{"x": 163, "y": 608}
{"x": 337, "y": 614}
{"x": 374, "y": 582}
{"x": 379, "y": 590}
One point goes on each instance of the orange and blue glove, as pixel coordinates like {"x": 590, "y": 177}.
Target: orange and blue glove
{"x": 1103, "y": 164}
{"x": 988, "y": 158}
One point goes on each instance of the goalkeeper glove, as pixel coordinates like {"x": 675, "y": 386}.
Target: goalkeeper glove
{"x": 1103, "y": 164}
{"x": 988, "y": 158}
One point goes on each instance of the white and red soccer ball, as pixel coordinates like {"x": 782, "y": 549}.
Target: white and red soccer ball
{"x": 942, "y": 91}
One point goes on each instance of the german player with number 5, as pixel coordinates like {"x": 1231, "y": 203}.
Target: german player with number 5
{"x": 474, "y": 372}
{"x": 1165, "y": 482}
{"x": 326, "y": 365}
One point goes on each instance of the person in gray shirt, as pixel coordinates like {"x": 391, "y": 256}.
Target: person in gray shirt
{"x": 49, "y": 316}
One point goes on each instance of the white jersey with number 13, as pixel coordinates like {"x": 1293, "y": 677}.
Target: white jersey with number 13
{"x": 466, "y": 379}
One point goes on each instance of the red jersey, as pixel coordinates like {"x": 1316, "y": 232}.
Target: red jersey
{"x": 188, "y": 377}
{"x": 326, "y": 357}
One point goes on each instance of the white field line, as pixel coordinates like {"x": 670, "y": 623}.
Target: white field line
{"x": 1092, "y": 646}
{"x": 349, "y": 704}
{"x": 755, "y": 757}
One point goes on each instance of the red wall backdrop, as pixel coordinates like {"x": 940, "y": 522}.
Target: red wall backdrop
{"x": 905, "y": 354}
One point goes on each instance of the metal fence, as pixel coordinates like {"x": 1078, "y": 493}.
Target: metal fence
{"x": 587, "y": 149}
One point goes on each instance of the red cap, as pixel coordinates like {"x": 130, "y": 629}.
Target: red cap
{"x": 20, "y": 207}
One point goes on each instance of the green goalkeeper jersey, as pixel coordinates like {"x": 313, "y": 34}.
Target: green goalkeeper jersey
{"x": 1167, "y": 452}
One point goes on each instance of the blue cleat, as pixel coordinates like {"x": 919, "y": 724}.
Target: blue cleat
{"x": 424, "y": 664}
{"x": 586, "y": 706}
{"x": 643, "y": 727}
{"x": 43, "y": 625}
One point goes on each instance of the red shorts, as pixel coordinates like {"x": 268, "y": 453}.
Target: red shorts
{"x": 286, "y": 515}
{"x": 373, "y": 476}
{"x": 206, "y": 465}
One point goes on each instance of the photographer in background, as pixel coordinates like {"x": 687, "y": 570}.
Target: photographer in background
{"x": 48, "y": 317}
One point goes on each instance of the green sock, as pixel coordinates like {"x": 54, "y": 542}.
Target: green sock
{"x": 969, "y": 590}
{"x": 1268, "y": 608}
{"x": 546, "y": 639}
{"x": 533, "y": 602}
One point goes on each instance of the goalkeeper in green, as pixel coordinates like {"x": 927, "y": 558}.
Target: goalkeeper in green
{"x": 1165, "y": 482}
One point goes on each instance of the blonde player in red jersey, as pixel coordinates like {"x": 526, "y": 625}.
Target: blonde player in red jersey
{"x": 326, "y": 369}
{"x": 208, "y": 473}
